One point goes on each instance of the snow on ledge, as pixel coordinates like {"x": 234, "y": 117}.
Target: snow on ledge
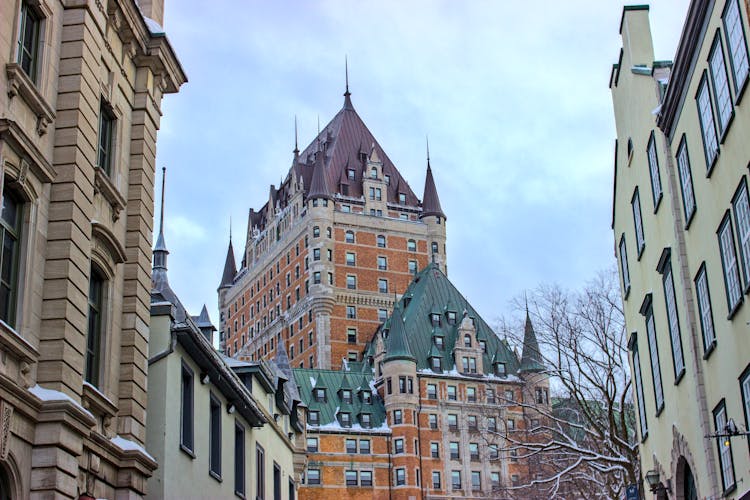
{"x": 335, "y": 426}
{"x": 128, "y": 445}
{"x": 53, "y": 395}
{"x": 100, "y": 393}
{"x": 154, "y": 27}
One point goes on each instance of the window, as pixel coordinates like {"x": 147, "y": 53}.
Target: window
{"x": 186, "y": 409}
{"x": 494, "y": 452}
{"x": 452, "y": 421}
{"x": 316, "y": 231}
{"x": 10, "y": 231}
{"x": 704, "y": 310}
{"x": 312, "y": 444}
{"x": 313, "y": 476}
{"x": 686, "y": 181}
{"x": 351, "y": 259}
{"x": 320, "y": 395}
{"x": 638, "y": 222}
{"x": 745, "y": 391}
{"x": 509, "y": 395}
{"x": 397, "y": 417}
{"x": 28, "y": 40}
{"x": 313, "y": 416}
{"x": 382, "y": 263}
{"x": 351, "y": 477}
{"x": 316, "y": 253}
{"x": 471, "y": 394}
{"x": 350, "y": 237}
{"x": 500, "y": 369}
{"x": 351, "y": 446}
{"x": 380, "y": 239}
{"x": 346, "y": 396}
{"x": 351, "y": 282}
{"x": 451, "y": 393}
{"x": 736, "y": 44}
{"x": 729, "y": 264}
{"x": 439, "y": 341}
{"x": 492, "y": 424}
{"x": 398, "y": 446}
{"x": 345, "y": 419}
{"x": 106, "y": 138}
{"x": 673, "y": 319}
{"x": 400, "y": 477}
{"x": 436, "y": 480}
{"x": 741, "y": 206}
{"x": 639, "y": 388}
{"x": 437, "y": 362}
{"x": 95, "y": 327}
{"x": 402, "y": 385}
{"x": 351, "y": 312}
{"x": 718, "y": 71}
{"x": 510, "y": 424}
{"x": 365, "y": 478}
{"x": 653, "y": 168}
{"x": 471, "y": 421}
{"x": 364, "y": 446}
{"x": 433, "y": 421}
{"x": 454, "y": 450}
{"x": 474, "y": 452}
{"x": 456, "y": 479}
{"x": 435, "y": 450}
{"x": 316, "y": 278}
{"x": 367, "y": 397}
{"x": 382, "y": 315}
{"x": 724, "y": 445}
{"x": 648, "y": 312}
{"x": 214, "y": 433}
{"x": 476, "y": 480}
{"x": 239, "y": 459}
{"x": 413, "y": 267}
{"x": 495, "y": 479}
{"x": 401, "y": 198}
{"x": 706, "y": 118}
{"x": 411, "y": 246}
{"x": 431, "y": 391}
{"x": 351, "y": 335}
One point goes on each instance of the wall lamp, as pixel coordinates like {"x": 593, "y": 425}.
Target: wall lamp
{"x": 205, "y": 378}
{"x": 655, "y": 485}
{"x": 230, "y": 408}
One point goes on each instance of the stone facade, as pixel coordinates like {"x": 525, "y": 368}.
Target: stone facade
{"x": 681, "y": 237}
{"x": 79, "y": 110}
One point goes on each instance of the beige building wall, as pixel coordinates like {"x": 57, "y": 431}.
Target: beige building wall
{"x": 689, "y": 240}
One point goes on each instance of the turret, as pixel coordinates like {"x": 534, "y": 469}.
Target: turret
{"x": 203, "y": 322}
{"x": 432, "y": 215}
{"x": 531, "y": 357}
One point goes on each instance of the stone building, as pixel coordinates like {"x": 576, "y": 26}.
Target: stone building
{"x": 682, "y": 237}
{"x": 80, "y": 102}
{"x": 437, "y": 408}
{"x": 230, "y": 426}
{"x": 325, "y": 256}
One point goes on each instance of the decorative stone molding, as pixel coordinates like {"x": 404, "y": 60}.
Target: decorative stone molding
{"x": 101, "y": 235}
{"x": 6, "y": 415}
{"x": 14, "y": 135}
{"x": 19, "y": 84}
{"x": 103, "y": 185}
{"x": 681, "y": 450}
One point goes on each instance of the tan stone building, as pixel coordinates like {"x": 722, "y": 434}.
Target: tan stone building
{"x": 80, "y": 92}
{"x": 681, "y": 221}
{"x": 325, "y": 256}
{"x": 218, "y": 427}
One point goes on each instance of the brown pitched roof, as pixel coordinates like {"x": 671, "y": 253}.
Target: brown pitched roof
{"x": 230, "y": 268}
{"x": 430, "y": 201}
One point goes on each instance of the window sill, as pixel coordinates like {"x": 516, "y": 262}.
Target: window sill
{"x": 712, "y": 163}
{"x": 12, "y": 341}
{"x": 659, "y": 410}
{"x": 679, "y": 377}
{"x": 20, "y": 84}
{"x": 709, "y": 350}
{"x": 690, "y": 218}
{"x": 215, "y": 476}
{"x": 657, "y": 203}
{"x": 104, "y": 185}
{"x": 93, "y": 399}
{"x": 187, "y": 451}
{"x": 729, "y": 490}
{"x": 734, "y": 309}
{"x": 644, "y": 438}
{"x": 741, "y": 90}
{"x": 239, "y": 494}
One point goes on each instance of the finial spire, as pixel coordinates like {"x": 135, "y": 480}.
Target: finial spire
{"x": 427, "y": 140}
{"x": 296, "y": 146}
{"x": 161, "y": 215}
{"x": 160, "y": 249}
{"x": 230, "y": 228}
{"x": 346, "y": 71}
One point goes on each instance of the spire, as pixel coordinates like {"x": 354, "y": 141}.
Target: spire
{"x": 160, "y": 250}
{"x": 203, "y": 322}
{"x": 296, "y": 145}
{"x": 319, "y": 183}
{"x": 397, "y": 344}
{"x": 230, "y": 267}
{"x": 430, "y": 200}
{"x": 347, "y": 94}
{"x": 531, "y": 358}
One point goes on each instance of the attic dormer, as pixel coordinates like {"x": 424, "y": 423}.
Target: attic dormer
{"x": 467, "y": 350}
{"x": 374, "y": 189}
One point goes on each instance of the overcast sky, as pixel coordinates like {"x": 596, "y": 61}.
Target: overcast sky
{"x": 513, "y": 96}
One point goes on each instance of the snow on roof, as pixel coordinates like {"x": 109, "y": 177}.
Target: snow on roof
{"x": 128, "y": 445}
{"x": 335, "y": 426}
{"x": 53, "y": 395}
{"x": 154, "y": 27}
{"x": 313, "y": 382}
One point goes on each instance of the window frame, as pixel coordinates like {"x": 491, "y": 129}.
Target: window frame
{"x": 742, "y": 224}
{"x": 739, "y": 86}
{"x": 724, "y": 120}
{"x": 640, "y": 238}
{"x": 673, "y": 318}
{"x": 96, "y": 328}
{"x": 624, "y": 268}
{"x": 647, "y": 310}
{"x": 214, "y": 437}
{"x": 239, "y": 459}
{"x": 685, "y": 174}
{"x": 638, "y": 381}
{"x": 704, "y": 115}
{"x": 653, "y": 167}
{"x": 719, "y": 411}
{"x": 14, "y": 232}
{"x": 28, "y": 10}
{"x": 260, "y": 472}
{"x": 187, "y": 402}
{"x": 106, "y": 138}
{"x": 709, "y": 342}
{"x": 726, "y": 225}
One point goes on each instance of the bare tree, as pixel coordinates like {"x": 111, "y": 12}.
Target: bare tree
{"x": 583, "y": 442}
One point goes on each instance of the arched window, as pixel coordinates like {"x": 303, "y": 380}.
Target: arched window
{"x": 10, "y": 228}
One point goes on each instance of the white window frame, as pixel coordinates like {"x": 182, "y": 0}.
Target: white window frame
{"x": 640, "y": 240}
{"x": 726, "y": 461}
{"x": 705, "y": 312}
{"x": 734, "y": 32}
{"x": 706, "y": 119}
{"x": 673, "y": 321}
{"x": 729, "y": 264}
{"x": 720, "y": 82}
{"x": 686, "y": 181}
{"x": 624, "y": 269}
{"x": 653, "y": 350}
{"x": 641, "y": 400}
{"x": 653, "y": 168}
{"x": 741, "y": 207}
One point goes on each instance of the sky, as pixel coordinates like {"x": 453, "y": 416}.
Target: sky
{"x": 513, "y": 96}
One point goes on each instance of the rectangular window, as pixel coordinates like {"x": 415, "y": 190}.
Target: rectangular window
{"x": 745, "y": 391}
{"x": 433, "y": 420}
{"x": 724, "y": 445}
{"x": 729, "y": 264}
{"x": 456, "y": 479}
{"x": 260, "y": 472}
{"x": 436, "y": 485}
{"x": 28, "y": 40}
{"x": 476, "y": 480}
{"x": 706, "y": 118}
{"x": 10, "y": 232}
{"x": 451, "y": 393}
{"x": 736, "y": 44}
{"x": 654, "y": 354}
{"x": 351, "y": 477}
{"x": 276, "y": 481}
{"x": 106, "y": 138}
{"x": 452, "y": 422}
{"x": 351, "y": 312}
{"x": 673, "y": 319}
{"x": 474, "y": 452}
{"x": 364, "y": 446}
{"x": 383, "y": 286}
{"x": 435, "y": 450}
{"x": 686, "y": 181}
{"x": 638, "y": 222}
{"x": 741, "y": 206}
{"x": 720, "y": 83}
{"x": 471, "y": 421}
{"x": 186, "y": 409}
{"x": 351, "y": 282}
{"x": 313, "y": 417}
{"x": 640, "y": 400}
{"x": 382, "y": 263}
{"x": 704, "y": 310}
{"x": 624, "y": 270}
{"x": 400, "y": 477}
{"x": 454, "y": 450}
{"x": 214, "y": 433}
{"x": 397, "y": 417}
{"x": 492, "y": 424}
{"x": 365, "y": 478}
{"x": 398, "y": 446}
{"x": 351, "y": 259}
{"x": 495, "y": 479}
{"x": 653, "y": 168}
{"x": 239, "y": 459}
{"x": 313, "y": 476}
{"x": 95, "y": 323}
{"x": 312, "y": 444}
{"x": 382, "y": 315}
{"x": 471, "y": 394}
{"x": 431, "y": 391}
{"x": 351, "y": 446}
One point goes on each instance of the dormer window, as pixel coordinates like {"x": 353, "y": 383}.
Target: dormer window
{"x": 367, "y": 397}
{"x": 351, "y": 174}
{"x": 387, "y": 180}
{"x": 451, "y": 318}
{"x": 437, "y": 364}
{"x": 500, "y": 369}
{"x": 320, "y": 395}
{"x": 346, "y": 395}
{"x": 402, "y": 198}
{"x": 365, "y": 420}
{"x": 373, "y": 173}
{"x": 483, "y": 345}
{"x": 313, "y": 417}
{"x": 439, "y": 342}
{"x": 435, "y": 318}
{"x": 467, "y": 340}
{"x": 470, "y": 364}
{"x": 345, "y": 419}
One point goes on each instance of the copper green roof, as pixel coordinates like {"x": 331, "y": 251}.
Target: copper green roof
{"x": 397, "y": 343}
{"x": 333, "y": 381}
{"x": 432, "y": 292}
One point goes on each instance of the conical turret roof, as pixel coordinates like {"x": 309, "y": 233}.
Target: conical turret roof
{"x": 430, "y": 200}
{"x": 203, "y": 320}
{"x": 319, "y": 184}
{"x": 230, "y": 268}
{"x": 396, "y": 344}
{"x": 531, "y": 358}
